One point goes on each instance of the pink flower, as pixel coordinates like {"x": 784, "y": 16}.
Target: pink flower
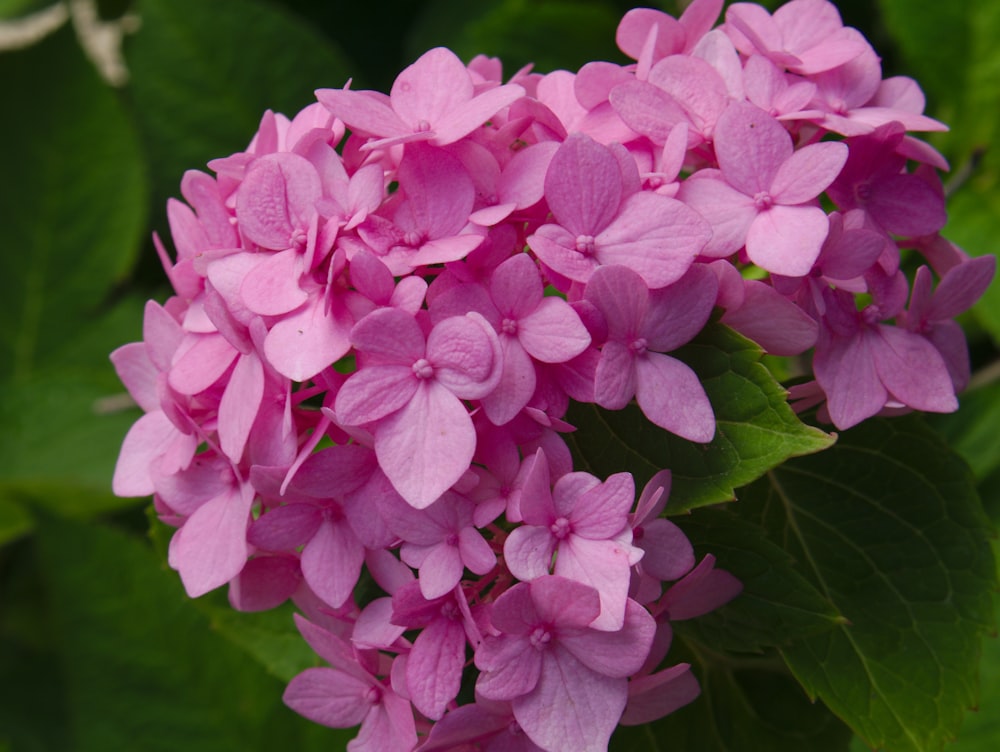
{"x": 642, "y": 325}
{"x": 566, "y": 681}
{"x": 602, "y": 218}
{"x": 411, "y": 388}
{"x": 431, "y": 100}
{"x": 764, "y": 194}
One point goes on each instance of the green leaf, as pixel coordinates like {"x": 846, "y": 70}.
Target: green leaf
{"x": 203, "y": 74}
{"x": 62, "y": 430}
{"x": 144, "y": 670}
{"x": 552, "y": 34}
{"x": 755, "y": 428}
{"x": 972, "y": 430}
{"x": 74, "y": 201}
{"x": 744, "y": 705}
{"x": 887, "y": 524}
{"x": 777, "y": 606}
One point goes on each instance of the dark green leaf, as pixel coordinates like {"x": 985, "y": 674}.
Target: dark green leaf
{"x": 972, "y": 430}
{"x": 74, "y": 201}
{"x": 552, "y": 34}
{"x": 203, "y": 74}
{"x": 777, "y": 605}
{"x": 888, "y": 526}
{"x": 753, "y": 705}
{"x": 756, "y": 430}
{"x": 144, "y": 669}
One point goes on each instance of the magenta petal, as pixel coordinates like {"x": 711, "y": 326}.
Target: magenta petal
{"x": 390, "y": 335}
{"x": 331, "y": 562}
{"x": 622, "y": 297}
{"x": 516, "y": 385}
{"x": 787, "y": 240}
{"x": 434, "y": 667}
{"x": 671, "y": 395}
{"x": 475, "y": 113}
{"x": 465, "y": 353}
{"x": 516, "y": 286}
{"x": 553, "y": 332}
{"x": 285, "y": 528}
{"x": 436, "y": 83}
{"x": 669, "y": 555}
{"x": 602, "y": 512}
{"x": 425, "y": 447}
{"x": 572, "y": 709}
{"x": 845, "y": 370}
{"x": 509, "y": 668}
{"x": 618, "y": 654}
{"x": 373, "y": 393}
{"x": 275, "y": 199}
{"x": 657, "y": 695}
{"x": 583, "y": 185}
{"x": 678, "y": 312}
{"x": 440, "y": 571}
{"x": 328, "y": 697}
{"x": 913, "y": 371}
{"x": 615, "y": 382}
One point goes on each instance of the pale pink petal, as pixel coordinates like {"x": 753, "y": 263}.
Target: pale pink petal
{"x": 516, "y": 386}
{"x": 425, "y": 447}
{"x": 465, "y": 353}
{"x": 440, "y": 571}
{"x": 474, "y": 113}
{"x": 728, "y": 211}
{"x": 275, "y": 198}
{"x": 656, "y": 236}
{"x": 671, "y": 396}
{"x": 309, "y": 340}
{"x": 516, "y": 286}
{"x": 509, "y": 667}
{"x": 604, "y": 566}
{"x": 271, "y": 288}
{"x": 808, "y": 172}
{"x": 787, "y": 240}
{"x": 373, "y": 393}
{"x": 211, "y": 548}
{"x": 750, "y": 146}
{"x": 201, "y": 365}
{"x": 138, "y": 373}
{"x": 363, "y": 111}
{"x": 240, "y": 404}
{"x": 528, "y": 552}
{"x": 149, "y": 438}
{"x": 602, "y": 512}
{"x": 622, "y": 297}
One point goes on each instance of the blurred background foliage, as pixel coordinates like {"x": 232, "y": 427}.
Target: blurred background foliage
{"x": 104, "y": 107}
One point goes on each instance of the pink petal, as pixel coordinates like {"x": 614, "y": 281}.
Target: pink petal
{"x": 615, "y": 381}
{"x": 271, "y": 288}
{"x": 750, "y": 146}
{"x": 275, "y": 199}
{"x": 373, "y": 393}
{"x": 425, "y": 447}
{"x": 553, "y": 332}
{"x": 808, "y": 172}
{"x": 528, "y": 552}
{"x": 465, "y": 354}
{"x": 656, "y": 236}
{"x": 604, "y": 566}
{"x": 618, "y": 654}
{"x": 309, "y": 340}
{"x": 211, "y": 548}
{"x": 328, "y": 697}
{"x": 728, "y": 211}
{"x": 913, "y": 371}
{"x": 583, "y": 185}
{"x": 434, "y": 667}
{"x": 331, "y": 563}
{"x": 437, "y": 83}
{"x": 787, "y": 240}
{"x": 362, "y": 111}
{"x": 149, "y": 438}
{"x": 572, "y": 709}
{"x": 671, "y": 395}
{"x": 240, "y": 404}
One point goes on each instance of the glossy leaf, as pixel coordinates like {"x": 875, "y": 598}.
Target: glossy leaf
{"x": 756, "y": 430}
{"x": 888, "y": 526}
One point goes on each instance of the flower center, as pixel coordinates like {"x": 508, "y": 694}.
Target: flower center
{"x": 508, "y": 326}
{"x": 762, "y": 200}
{"x": 422, "y": 369}
{"x": 585, "y": 244}
{"x": 560, "y": 528}
{"x": 863, "y": 193}
{"x": 540, "y": 637}
{"x": 637, "y": 346}
{"x": 414, "y": 238}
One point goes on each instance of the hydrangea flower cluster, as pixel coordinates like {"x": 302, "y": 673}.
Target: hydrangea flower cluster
{"x": 385, "y": 305}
